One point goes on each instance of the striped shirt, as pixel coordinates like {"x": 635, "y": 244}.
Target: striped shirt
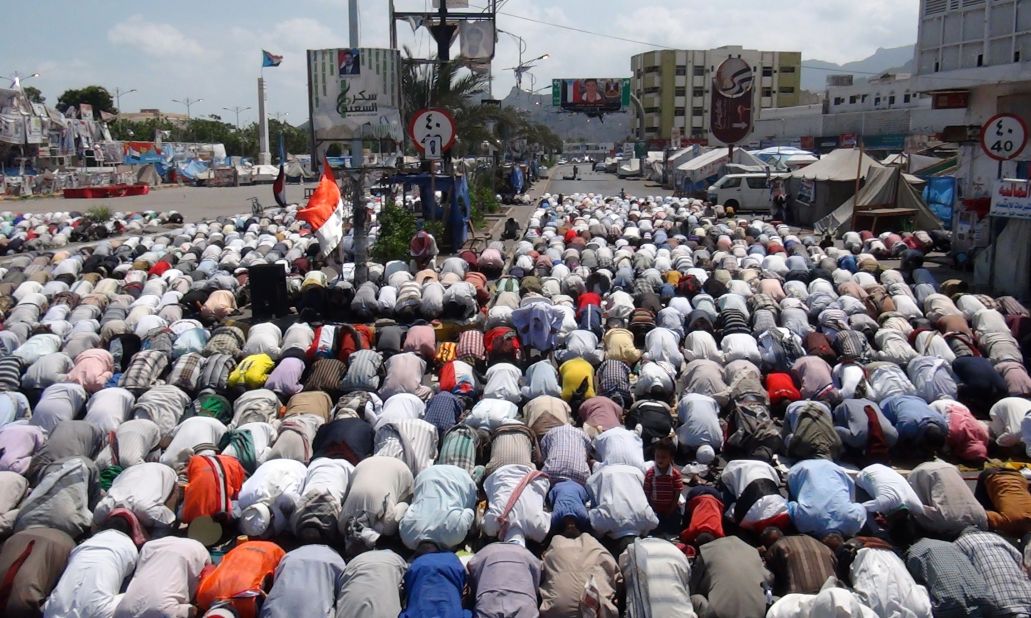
{"x": 955, "y": 586}
{"x": 800, "y": 564}
{"x": 470, "y": 347}
{"x": 10, "y": 373}
{"x": 144, "y": 370}
{"x": 1001, "y": 566}
{"x": 512, "y": 445}
{"x": 458, "y": 448}
{"x": 663, "y": 489}
{"x": 565, "y": 451}
{"x": 186, "y": 372}
{"x": 364, "y": 368}
{"x": 325, "y": 375}
{"x": 413, "y": 441}
{"x": 614, "y": 379}
{"x": 443, "y": 411}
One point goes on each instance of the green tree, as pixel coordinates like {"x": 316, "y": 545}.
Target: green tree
{"x": 97, "y": 96}
{"x": 445, "y": 85}
{"x": 33, "y": 94}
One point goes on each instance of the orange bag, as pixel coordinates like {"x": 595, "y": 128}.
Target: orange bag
{"x": 243, "y": 576}
{"x": 214, "y": 481}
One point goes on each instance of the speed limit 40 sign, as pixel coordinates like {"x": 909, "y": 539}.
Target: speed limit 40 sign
{"x": 1004, "y": 136}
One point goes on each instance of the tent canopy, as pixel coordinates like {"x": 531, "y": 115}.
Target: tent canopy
{"x": 838, "y": 166}
{"x": 886, "y": 187}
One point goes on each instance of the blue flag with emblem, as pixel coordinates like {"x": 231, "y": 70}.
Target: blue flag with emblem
{"x": 268, "y": 59}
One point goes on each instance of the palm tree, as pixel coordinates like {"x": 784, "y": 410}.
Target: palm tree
{"x": 434, "y": 84}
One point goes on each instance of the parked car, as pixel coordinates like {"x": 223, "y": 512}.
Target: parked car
{"x": 743, "y": 192}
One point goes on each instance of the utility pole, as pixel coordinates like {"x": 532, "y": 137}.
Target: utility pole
{"x": 358, "y": 222}
{"x": 118, "y": 96}
{"x": 188, "y": 102}
{"x": 237, "y": 109}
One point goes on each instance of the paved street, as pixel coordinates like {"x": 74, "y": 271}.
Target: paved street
{"x": 598, "y": 182}
{"x": 195, "y": 203}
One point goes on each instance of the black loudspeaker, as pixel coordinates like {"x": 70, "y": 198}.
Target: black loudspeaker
{"x": 268, "y": 291}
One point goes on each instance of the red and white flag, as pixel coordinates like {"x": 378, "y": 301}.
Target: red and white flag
{"x": 325, "y": 212}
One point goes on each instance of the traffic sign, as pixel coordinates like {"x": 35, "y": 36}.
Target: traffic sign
{"x": 432, "y": 131}
{"x": 1004, "y": 136}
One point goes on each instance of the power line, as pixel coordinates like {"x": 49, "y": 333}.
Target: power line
{"x": 658, "y": 46}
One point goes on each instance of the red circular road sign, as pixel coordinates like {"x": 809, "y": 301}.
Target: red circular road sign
{"x": 1004, "y": 136}
{"x": 434, "y": 125}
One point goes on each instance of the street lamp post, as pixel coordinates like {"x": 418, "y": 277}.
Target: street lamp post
{"x": 523, "y": 67}
{"x": 188, "y": 102}
{"x": 237, "y": 109}
{"x": 279, "y": 116}
{"x": 17, "y": 78}
{"x": 118, "y": 96}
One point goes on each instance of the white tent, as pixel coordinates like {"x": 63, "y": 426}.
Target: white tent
{"x": 706, "y": 167}
{"x": 840, "y": 165}
{"x": 885, "y": 194}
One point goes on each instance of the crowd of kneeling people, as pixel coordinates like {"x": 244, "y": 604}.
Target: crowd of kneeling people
{"x": 639, "y": 408}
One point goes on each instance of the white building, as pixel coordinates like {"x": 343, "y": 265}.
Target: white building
{"x": 674, "y": 86}
{"x": 976, "y": 55}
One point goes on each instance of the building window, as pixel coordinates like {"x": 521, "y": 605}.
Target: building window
{"x": 697, "y": 111}
{"x": 680, "y": 92}
{"x": 891, "y": 100}
{"x": 767, "y": 92}
{"x": 652, "y": 90}
{"x": 852, "y": 100}
{"x": 767, "y": 71}
{"x": 786, "y": 90}
{"x": 699, "y": 70}
{"x": 839, "y": 100}
{"x": 681, "y": 70}
{"x": 980, "y": 60}
{"x": 787, "y": 69}
{"x": 639, "y": 73}
{"x": 876, "y": 101}
{"x": 697, "y": 92}
{"x": 905, "y": 98}
{"x": 678, "y": 111}
{"x": 864, "y": 98}
{"x": 652, "y": 69}
{"x": 651, "y": 110}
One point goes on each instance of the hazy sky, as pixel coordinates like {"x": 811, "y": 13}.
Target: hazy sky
{"x": 212, "y": 50}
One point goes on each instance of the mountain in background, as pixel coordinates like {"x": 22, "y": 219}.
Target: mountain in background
{"x": 569, "y": 126}
{"x": 815, "y": 72}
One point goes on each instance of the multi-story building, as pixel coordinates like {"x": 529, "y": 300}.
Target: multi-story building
{"x": 674, "y": 86}
{"x": 975, "y": 56}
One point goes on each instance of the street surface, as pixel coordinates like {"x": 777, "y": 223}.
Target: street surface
{"x": 598, "y": 182}
{"x": 194, "y": 203}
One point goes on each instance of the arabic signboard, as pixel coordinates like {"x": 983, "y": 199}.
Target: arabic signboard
{"x": 1011, "y": 198}
{"x": 591, "y": 95}
{"x": 730, "y": 106}
{"x": 1003, "y": 137}
{"x": 355, "y": 93}
{"x": 432, "y": 131}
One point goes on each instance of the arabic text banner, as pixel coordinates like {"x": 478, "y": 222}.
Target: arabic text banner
{"x": 1011, "y": 198}
{"x": 355, "y": 93}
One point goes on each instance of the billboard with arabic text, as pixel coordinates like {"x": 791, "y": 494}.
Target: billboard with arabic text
{"x": 1011, "y": 198}
{"x": 355, "y": 93}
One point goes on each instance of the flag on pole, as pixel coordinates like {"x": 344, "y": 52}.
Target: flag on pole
{"x": 279, "y": 186}
{"x": 268, "y": 59}
{"x": 325, "y": 211}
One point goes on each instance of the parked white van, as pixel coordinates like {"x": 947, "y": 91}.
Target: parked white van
{"x": 743, "y": 192}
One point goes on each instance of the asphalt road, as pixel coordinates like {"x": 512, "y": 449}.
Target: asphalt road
{"x": 600, "y": 183}
{"x": 195, "y": 203}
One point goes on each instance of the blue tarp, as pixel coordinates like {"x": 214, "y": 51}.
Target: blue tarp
{"x": 940, "y": 195}
{"x": 193, "y": 169}
{"x": 457, "y": 189}
{"x": 517, "y": 179}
